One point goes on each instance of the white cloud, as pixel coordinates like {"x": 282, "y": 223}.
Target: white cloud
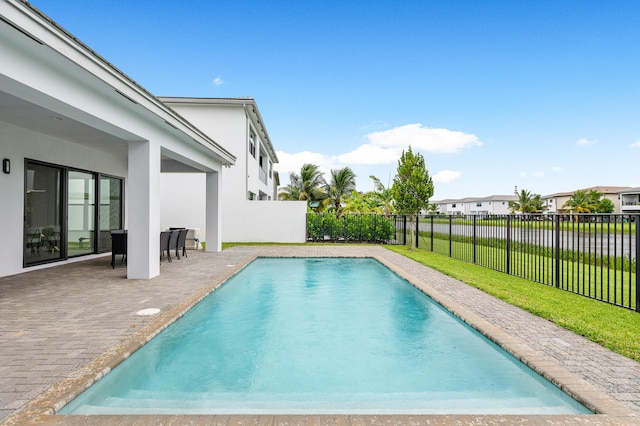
{"x": 288, "y": 163}
{"x": 556, "y": 169}
{"x": 446, "y": 176}
{"x": 584, "y": 142}
{"x": 421, "y": 138}
{"x": 523, "y": 174}
{"x": 537, "y": 174}
{"x": 635, "y": 144}
{"x": 217, "y": 81}
{"x": 386, "y": 146}
{"x": 370, "y": 154}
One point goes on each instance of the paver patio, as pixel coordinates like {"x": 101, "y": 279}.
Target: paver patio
{"x": 60, "y": 323}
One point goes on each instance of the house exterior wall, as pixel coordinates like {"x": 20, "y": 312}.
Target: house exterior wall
{"x": 19, "y": 144}
{"x": 231, "y": 122}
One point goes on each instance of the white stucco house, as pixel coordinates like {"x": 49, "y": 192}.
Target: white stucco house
{"x": 493, "y": 204}
{"x": 630, "y": 200}
{"x": 250, "y": 209}
{"x": 83, "y": 149}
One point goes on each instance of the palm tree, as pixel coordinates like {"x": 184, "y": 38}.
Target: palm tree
{"x": 308, "y": 185}
{"x": 523, "y": 203}
{"x": 383, "y": 195}
{"x": 343, "y": 181}
{"x": 537, "y": 205}
{"x": 582, "y": 201}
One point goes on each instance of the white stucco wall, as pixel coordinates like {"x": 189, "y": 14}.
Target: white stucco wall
{"x": 182, "y": 203}
{"x": 267, "y": 221}
{"x": 251, "y": 221}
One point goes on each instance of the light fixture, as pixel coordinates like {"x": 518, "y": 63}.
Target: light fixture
{"x": 6, "y": 166}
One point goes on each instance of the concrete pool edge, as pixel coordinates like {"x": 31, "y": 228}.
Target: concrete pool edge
{"x": 42, "y": 408}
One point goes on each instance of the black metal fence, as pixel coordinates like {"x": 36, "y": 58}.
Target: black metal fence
{"x": 594, "y": 255}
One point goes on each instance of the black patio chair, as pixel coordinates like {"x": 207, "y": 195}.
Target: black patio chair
{"x": 165, "y": 236}
{"x": 182, "y": 242}
{"x": 118, "y": 246}
{"x": 173, "y": 244}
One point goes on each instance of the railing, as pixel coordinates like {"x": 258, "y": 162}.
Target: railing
{"x": 592, "y": 255}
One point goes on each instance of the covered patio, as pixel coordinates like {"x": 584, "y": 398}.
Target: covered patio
{"x": 84, "y": 147}
{"x": 64, "y": 327}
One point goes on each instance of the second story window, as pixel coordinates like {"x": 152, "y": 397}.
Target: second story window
{"x": 252, "y": 143}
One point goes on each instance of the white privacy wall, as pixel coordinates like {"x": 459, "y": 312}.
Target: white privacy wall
{"x": 251, "y": 221}
{"x": 267, "y": 221}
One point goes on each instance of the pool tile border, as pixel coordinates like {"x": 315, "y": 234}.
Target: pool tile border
{"x": 43, "y": 409}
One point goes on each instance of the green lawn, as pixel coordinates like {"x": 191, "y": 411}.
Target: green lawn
{"x": 612, "y": 327}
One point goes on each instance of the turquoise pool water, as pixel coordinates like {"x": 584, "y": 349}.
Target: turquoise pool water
{"x": 321, "y": 336}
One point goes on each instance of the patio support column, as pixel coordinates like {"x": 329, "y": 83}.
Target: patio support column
{"x": 143, "y": 210}
{"x": 213, "y": 209}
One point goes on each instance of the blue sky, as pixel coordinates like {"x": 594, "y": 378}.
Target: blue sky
{"x": 542, "y": 95}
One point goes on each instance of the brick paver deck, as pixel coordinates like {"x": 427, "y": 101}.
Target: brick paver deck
{"x": 61, "y": 327}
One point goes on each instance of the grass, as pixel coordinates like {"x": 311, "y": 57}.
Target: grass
{"x": 615, "y": 328}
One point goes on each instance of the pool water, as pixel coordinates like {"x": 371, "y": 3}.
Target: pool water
{"x": 321, "y": 336}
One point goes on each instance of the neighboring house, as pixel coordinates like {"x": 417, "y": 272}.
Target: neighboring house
{"x": 493, "y": 204}
{"x": 554, "y": 202}
{"x": 236, "y": 124}
{"x": 630, "y": 200}
{"x": 83, "y": 149}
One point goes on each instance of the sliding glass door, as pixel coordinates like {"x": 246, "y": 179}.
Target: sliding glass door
{"x": 84, "y": 198}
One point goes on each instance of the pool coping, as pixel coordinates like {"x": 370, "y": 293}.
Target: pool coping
{"x": 43, "y": 408}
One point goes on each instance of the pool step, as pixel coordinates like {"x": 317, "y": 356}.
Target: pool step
{"x": 142, "y": 402}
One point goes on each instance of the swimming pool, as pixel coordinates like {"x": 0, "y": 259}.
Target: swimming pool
{"x": 320, "y": 336}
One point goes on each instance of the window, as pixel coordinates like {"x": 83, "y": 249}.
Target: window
{"x": 63, "y": 207}
{"x": 252, "y": 196}
{"x": 453, "y": 205}
{"x": 252, "y": 143}
{"x": 479, "y": 204}
{"x": 270, "y": 169}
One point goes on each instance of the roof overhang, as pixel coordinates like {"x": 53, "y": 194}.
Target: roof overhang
{"x": 39, "y": 38}
{"x": 249, "y": 104}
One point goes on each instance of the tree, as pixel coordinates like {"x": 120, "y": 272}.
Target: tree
{"x": 527, "y": 202}
{"x": 361, "y": 203}
{"x": 582, "y": 201}
{"x": 383, "y": 195}
{"x": 524, "y": 200}
{"x": 308, "y": 185}
{"x": 605, "y": 206}
{"x": 412, "y": 187}
{"x": 343, "y": 181}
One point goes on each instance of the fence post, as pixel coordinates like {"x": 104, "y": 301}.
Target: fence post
{"x": 557, "y": 250}
{"x": 450, "y": 232}
{"x": 637, "y": 222}
{"x": 508, "y": 254}
{"x": 417, "y": 229}
{"x": 404, "y": 230}
{"x": 474, "y": 239}
{"x": 431, "y": 232}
